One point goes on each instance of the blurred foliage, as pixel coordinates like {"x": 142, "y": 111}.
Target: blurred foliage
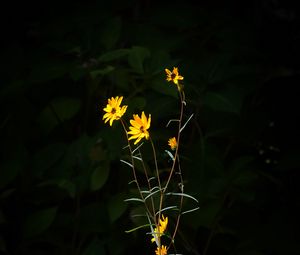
{"x": 61, "y": 182}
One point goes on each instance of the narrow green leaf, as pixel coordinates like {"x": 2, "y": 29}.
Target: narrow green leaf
{"x": 183, "y": 195}
{"x": 174, "y": 207}
{"x": 134, "y": 200}
{"x": 192, "y": 210}
{"x": 127, "y": 163}
{"x": 152, "y": 194}
{"x": 170, "y": 154}
{"x": 186, "y": 123}
{"x": 134, "y": 229}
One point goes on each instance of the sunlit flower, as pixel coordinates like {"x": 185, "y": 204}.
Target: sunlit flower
{"x": 139, "y": 127}
{"x": 172, "y": 143}
{"x": 161, "y": 251}
{"x": 163, "y": 223}
{"x": 174, "y": 75}
{"x": 113, "y": 110}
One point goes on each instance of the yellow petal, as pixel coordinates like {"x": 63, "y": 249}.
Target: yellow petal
{"x": 175, "y": 70}
{"x": 168, "y": 71}
{"x": 134, "y": 136}
{"x": 134, "y": 132}
{"x": 138, "y": 119}
{"x": 135, "y": 124}
{"x": 139, "y": 139}
{"x": 119, "y": 101}
{"x": 144, "y": 119}
{"x": 149, "y": 122}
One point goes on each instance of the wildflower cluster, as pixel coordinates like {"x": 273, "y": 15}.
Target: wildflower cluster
{"x": 154, "y": 196}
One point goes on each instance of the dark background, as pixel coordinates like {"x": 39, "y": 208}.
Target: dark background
{"x": 62, "y": 185}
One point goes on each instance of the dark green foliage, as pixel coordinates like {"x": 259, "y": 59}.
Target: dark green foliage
{"x": 62, "y": 185}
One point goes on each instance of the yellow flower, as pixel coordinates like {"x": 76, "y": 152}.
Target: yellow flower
{"x": 163, "y": 223}
{"x": 113, "y": 110}
{"x": 139, "y": 127}
{"x": 161, "y": 251}
{"x": 172, "y": 143}
{"x": 174, "y": 75}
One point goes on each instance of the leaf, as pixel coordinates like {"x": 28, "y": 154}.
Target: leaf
{"x": 170, "y": 154}
{"x": 58, "y": 111}
{"x": 152, "y": 194}
{"x": 116, "y": 207}
{"x": 161, "y": 86}
{"x": 206, "y": 215}
{"x": 183, "y": 126}
{"x": 9, "y": 171}
{"x": 182, "y": 194}
{"x": 45, "y": 158}
{"x": 139, "y": 227}
{"x": 101, "y": 72}
{"x": 113, "y": 55}
{"x": 126, "y": 163}
{"x": 66, "y": 185}
{"x": 159, "y": 60}
{"x": 138, "y": 103}
{"x": 93, "y": 218}
{"x": 39, "y": 222}
{"x": 12, "y": 165}
{"x": 111, "y": 32}
{"x": 173, "y": 207}
{"x": 99, "y": 177}
{"x": 240, "y": 171}
{"x": 241, "y": 163}
{"x": 191, "y": 210}
{"x": 137, "y": 57}
{"x": 219, "y": 102}
{"x": 97, "y": 153}
{"x": 134, "y": 200}
{"x": 94, "y": 248}
{"x": 51, "y": 69}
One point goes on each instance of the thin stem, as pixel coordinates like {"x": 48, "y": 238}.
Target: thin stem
{"x": 133, "y": 170}
{"x": 181, "y": 201}
{"x": 161, "y": 192}
{"x": 176, "y": 158}
{"x": 155, "y": 161}
{"x": 149, "y": 187}
{"x": 132, "y": 160}
{"x": 178, "y": 142}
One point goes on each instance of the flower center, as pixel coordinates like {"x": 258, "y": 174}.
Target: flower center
{"x": 142, "y": 129}
{"x": 113, "y": 110}
{"x": 173, "y": 76}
